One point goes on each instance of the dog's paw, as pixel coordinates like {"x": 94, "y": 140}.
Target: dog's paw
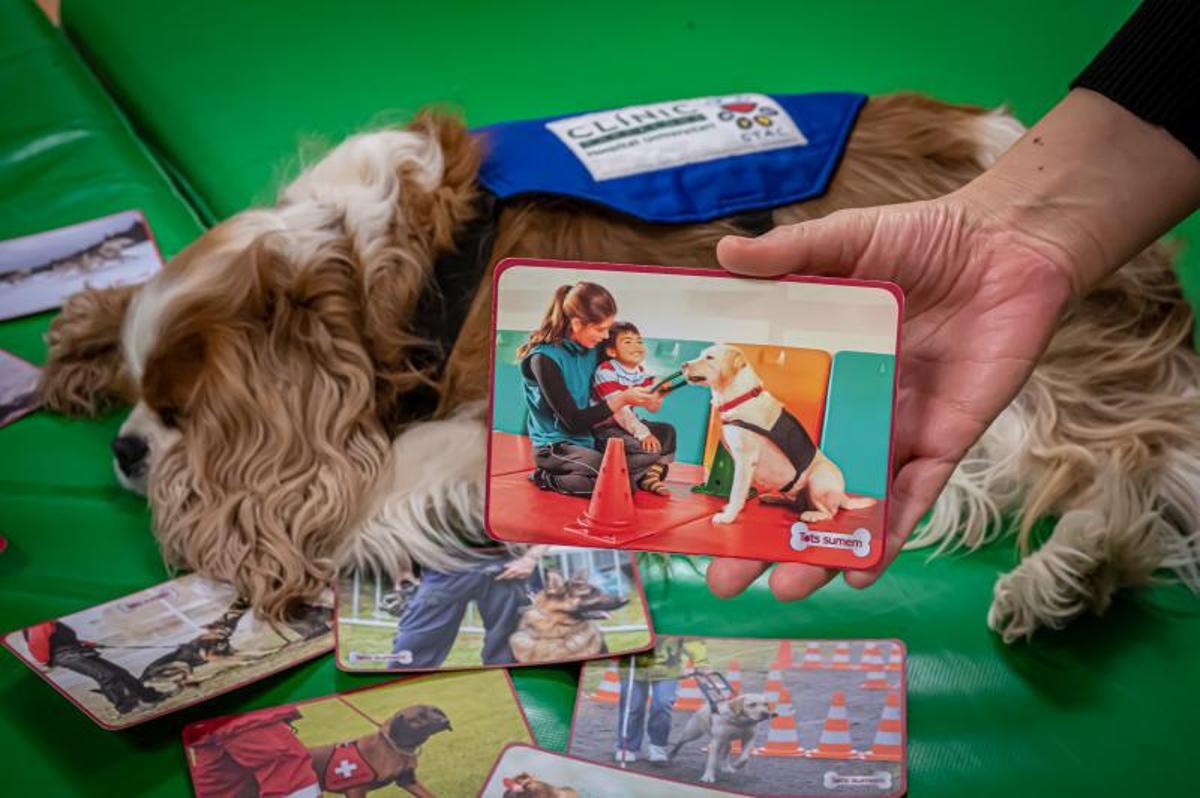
{"x": 728, "y": 768}
{"x": 726, "y": 516}
{"x": 708, "y": 778}
{"x": 814, "y": 516}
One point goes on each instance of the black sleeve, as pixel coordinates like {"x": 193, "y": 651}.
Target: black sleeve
{"x": 1151, "y": 70}
{"x": 550, "y": 381}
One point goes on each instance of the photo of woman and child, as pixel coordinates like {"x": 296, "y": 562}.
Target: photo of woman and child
{"x": 584, "y": 376}
{"x": 753, "y": 417}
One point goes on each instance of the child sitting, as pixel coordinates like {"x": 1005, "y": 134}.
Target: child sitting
{"x": 625, "y": 352}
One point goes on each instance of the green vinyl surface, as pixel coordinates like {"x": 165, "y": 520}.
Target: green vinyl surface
{"x": 226, "y": 92}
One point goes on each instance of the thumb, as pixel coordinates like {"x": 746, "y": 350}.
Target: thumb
{"x": 829, "y": 246}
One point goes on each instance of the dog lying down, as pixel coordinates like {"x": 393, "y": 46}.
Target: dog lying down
{"x": 769, "y": 447}
{"x": 733, "y": 719}
{"x": 270, "y": 365}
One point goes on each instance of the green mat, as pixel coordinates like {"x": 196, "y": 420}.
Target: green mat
{"x": 225, "y": 92}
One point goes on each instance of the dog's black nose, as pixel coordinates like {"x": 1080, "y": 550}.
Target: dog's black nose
{"x": 130, "y": 451}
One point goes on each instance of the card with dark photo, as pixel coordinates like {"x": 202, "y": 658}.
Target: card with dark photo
{"x": 38, "y": 272}
{"x": 691, "y": 411}
{"x": 547, "y": 604}
{"x": 165, "y": 648}
{"x": 18, "y": 388}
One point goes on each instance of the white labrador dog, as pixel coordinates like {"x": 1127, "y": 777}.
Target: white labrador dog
{"x": 770, "y": 448}
{"x": 735, "y": 718}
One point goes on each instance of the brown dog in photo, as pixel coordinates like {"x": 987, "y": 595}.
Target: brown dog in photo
{"x": 524, "y": 785}
{"x": 389, "y": 756}
{"x": 769, "y": 447}
{"x": 561, "y": 621}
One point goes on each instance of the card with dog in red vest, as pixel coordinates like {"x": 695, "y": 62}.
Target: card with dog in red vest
{"x": 692, "y": 411}
{"x": 167, "y": 647}
{"x": 427, "y": 735}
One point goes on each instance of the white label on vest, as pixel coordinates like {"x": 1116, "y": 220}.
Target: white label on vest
{"x": 646, "y": 138}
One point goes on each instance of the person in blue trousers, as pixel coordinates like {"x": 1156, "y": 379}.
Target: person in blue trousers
{"x": 656, "y": 675}
{"x": 429, "y": 624}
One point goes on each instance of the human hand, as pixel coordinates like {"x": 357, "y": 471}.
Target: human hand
{"x": 656, "y": 400}
{"x": 520, "y": 568}
{"x": 651, "y": 444}
{"x": 982, "y": 299}
{"x": 640, "y": 397}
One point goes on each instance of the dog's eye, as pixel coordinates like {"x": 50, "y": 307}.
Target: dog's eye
{"x": 169, "y": 416}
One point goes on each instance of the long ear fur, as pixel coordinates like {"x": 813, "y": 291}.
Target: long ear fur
{"x": 85, "y": 372}
{"x": 285, "y": 410}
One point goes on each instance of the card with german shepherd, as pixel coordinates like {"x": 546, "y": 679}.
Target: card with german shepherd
{"x": 18, "y": 388}
{"x": 535, "y": 605}
{"x": 692, "y": 411}
{"x": 425, "y": 736}
{"x": 523, "y": 771}
{"x": 166, "y": 648}
{"x": 752, "y": 717}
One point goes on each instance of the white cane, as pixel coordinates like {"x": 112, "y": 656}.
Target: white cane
{"x": 625, "y": 720}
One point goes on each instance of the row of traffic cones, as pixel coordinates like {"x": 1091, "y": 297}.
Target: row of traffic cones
{"x": 814, "y": 658}
{"x": 783, "y": 740}
{"x": 834, "y": 743}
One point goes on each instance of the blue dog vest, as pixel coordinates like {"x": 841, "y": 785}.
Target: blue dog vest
{"x": 680, "y": 161}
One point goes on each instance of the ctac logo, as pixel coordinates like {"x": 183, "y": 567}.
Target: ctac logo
{"x": 748, "y": 114}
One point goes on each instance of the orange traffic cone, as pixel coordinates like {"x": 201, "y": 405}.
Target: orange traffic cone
{"x": 689, "y": 698}
{"x": 733, "y": 675}
{"x": 894, "y": 657}
{"x": 610, "y": 513}
{"x": 889, "y": 740}
{"x": 841, "y": 655}
{"x": 609, "y": 689}
{"x": 872, "y": 663}
{"x": 812, "y": 657}
{"x": 774, "y": 684}
{"x": 783, "y": 658}
{"x": 835, "y": 734}
{"x": 782, "y": 738}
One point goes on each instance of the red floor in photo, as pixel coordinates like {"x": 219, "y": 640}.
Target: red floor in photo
{"x": 681, "y": 523}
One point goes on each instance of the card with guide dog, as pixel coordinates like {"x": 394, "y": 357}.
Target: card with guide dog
{"x": 426, "y": 735}
{"x": 523, "y": 771}
{"x": 165, "y": 648}
{"x": 751, "y": 716}
{"x": 692, "y": 411}
{"x": 541, "y": 605}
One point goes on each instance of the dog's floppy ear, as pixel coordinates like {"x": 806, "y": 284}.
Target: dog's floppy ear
{"x": 733, "y": 362}
{"x": 85, "y": 370}
{"x": 737, "y": 705}
{"x": 284, "y": 401}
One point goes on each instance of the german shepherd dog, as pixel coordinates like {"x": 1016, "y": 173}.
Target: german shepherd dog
{"x": 560, "y": 623}
{"x": 389, "y": 756}
{"x": 175, "y": 670}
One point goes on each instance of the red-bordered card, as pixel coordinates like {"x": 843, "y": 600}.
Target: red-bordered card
{"x": 165, "y": 648}
{"x": 18, "y": 388}
{"x": 523, "y": 771}
{"x": 573, "y": 604}
{"x": 692, "y": 411}
{"x": 751, "y": 716}
{"x": 436, "y": 734}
